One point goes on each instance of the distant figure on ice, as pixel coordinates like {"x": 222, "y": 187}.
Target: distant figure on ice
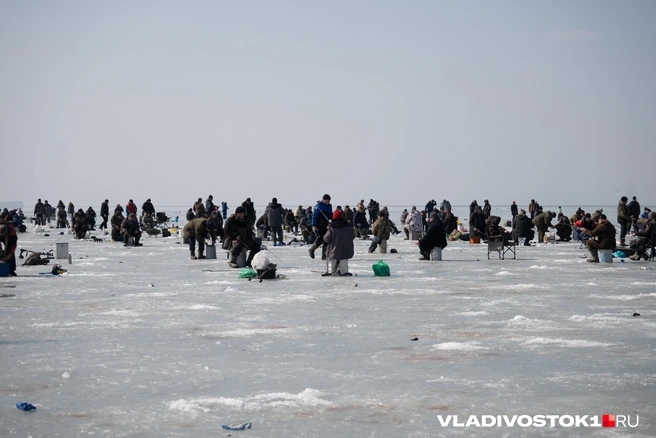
{"x": 80, "y": 224}
{"x": 8, "y": 244}
{"x": 104, "y": 214}
{"x": 532, "y": 208}
{"x": 563, "y": 228}
{"x": 523, "y": 227}
{"x": 115, "y": 222}
{"x": 209, "y": 204}
{"x": 605, "y": 233}
{"x": 360, "y": 223}
{"x": 381, "y": 231}
{"x": 274, "y": 213}
{"x": 435, "y": 237}
{"x": 130, "y": 207}
{"x": 199, "y": 208}
{"x": 49, "y": 211}
{"x": 623, "y": 219}
{"x": 71, "y": 211}
{"x": 148, "y": 207}
{"x": 513, "y": 210}
{"x": 543, "y": 222}
{"x": 339, "y": 245}
{"x": 39, "y": 212}
{"x": 249, "y": 212}
{"x": 487, "y": 209}
{"x": 321, "y": 215}
{"x": 224, "y": 210}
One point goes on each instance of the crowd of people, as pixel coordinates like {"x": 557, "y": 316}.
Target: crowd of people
{"x": 335, "y": 230}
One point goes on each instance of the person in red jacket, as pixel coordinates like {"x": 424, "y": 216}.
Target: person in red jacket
{"x": 8, "y": 244}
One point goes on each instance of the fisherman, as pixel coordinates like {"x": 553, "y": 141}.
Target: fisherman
{"x": 321, "y": 215}
{"x": 239, "y": 235}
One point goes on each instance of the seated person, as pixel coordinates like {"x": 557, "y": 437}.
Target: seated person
{"x": 523, "y": 227}
{"x": 435, "y": 236}
{"x": 80, "y": 224}
{"x": 116, "y": 221}
{"x": 563, "y": 228}
{"x": 130, "y": 228}
{"x": 645, "y": 234}
{"x": 305, "y": 224}
{"x": 582, "y": 227}
{"x": 215, "y": 226}
{"x": 239, "y": 235}
{"x": 360, "y": 223}
{"x": 605, "y": 233}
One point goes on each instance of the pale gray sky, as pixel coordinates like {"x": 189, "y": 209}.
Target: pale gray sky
{"x": 392, "y": 100}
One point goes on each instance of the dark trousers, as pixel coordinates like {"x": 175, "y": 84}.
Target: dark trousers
{"x": 103, "y": 225}
{"x": 623, "y": 229}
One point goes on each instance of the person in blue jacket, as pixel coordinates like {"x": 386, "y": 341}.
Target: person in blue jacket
{"x": 321, "y": 216}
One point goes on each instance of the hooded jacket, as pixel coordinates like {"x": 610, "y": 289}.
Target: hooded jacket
{"x": 339, "y": 240}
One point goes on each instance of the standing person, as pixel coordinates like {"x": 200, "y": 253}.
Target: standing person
{"x": 8, "y": 244}
{"x": 348, "y": 215}
{"x": 623, "y": 219}
{"x": 199, "y": 208}
{"x": 543, "y": 222}
{"x": 249, "y": 210}
{"x": 487, "y": 208}
{"x": 224, "y": 210}
{"x": 402, "y": 219}
{"x": 414, "y": 221}
{"x": 381, "y": 231}
{"x": 130, "y": 228}
{"x": 513, "y": 211}
{"x": 338, "y": 240}
{"x": 321, "y": 215}
{"x": 131, "y": 208}
{"x": 298, "y": 213}
{"x": 148, "y": 207}
{"x": 274, "y": 213}
{"x": 39, "y": 212}
{"x": 196, "y": 231}
{"x": 532, "y": 208}
{"x": 634, "y": 213}
{"x": 374, "y": 209}
{"x": 435, "y": 236}
{"x": 209, "y": 204}
{"x": 239, "y": 235}
{"x": 71, "y": 211}
{"x": 49, "y": 211}
{"x": 104, "y": 214}
{"x": 444, "y": 207}
{"x": 430, "y": 206}
{"x": 605, "y": 233}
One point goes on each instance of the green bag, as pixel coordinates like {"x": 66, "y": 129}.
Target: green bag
{"x": 248, "y": 273}
{"x": 381, "y": 269}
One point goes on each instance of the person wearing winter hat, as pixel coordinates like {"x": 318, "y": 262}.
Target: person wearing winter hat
{"x": 239, "y": 235}
{"x": 338, "y": 241}
{"x": 274, "y": 214}
{"x": 321, "y": 215}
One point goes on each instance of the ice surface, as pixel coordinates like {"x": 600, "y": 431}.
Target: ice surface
{"x": 145, "y": 342}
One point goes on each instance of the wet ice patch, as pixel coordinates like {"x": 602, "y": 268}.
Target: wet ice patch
{"x": 537, "y": 342}
{"x": 459, "y": 346}
{"x": 276, "y": 400}
{"x": 519, "y": 318}
{"x": 503, "y": 274}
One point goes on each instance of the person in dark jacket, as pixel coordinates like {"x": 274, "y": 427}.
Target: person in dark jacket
{"x": 513, "y": 210}
{"x": 634, "y": 213}
{"x": 215, "y": 226}
{"x": 477, "y": 223}
{"x": 8, "y": 245}
{"x": 238, "y": 236}
{"x": 224, "y": 210}
{"x": 104, "y": 214}
{"x": 249, "y": 211}
{"x": 360, "y": 224}
{"x": 435, "y": 236}
{"x": 40, "y": 212}
{"x": 130, "y": 228}
{"x": 605, "y": 233}
{"x": 381, "y": 231}
{"x": 196, "y": 231}
{"x": 563, "y": 228}
{"x": 321, "y": 215}
{"x": 148, "y": 207}
{"x": 645, "y": 234}
{"x": 450, "y": 222}
{"x": 190, "y": 215}
{"x": 80, "y": 224}
{"x": 339, "y": 245}
{"x": 305, "y": 225}
{"x": 543, "y": 222}
{"x": 115, "y": 222}
{"x": 62, "y": 218}
{"x": 487, "y": 208}
{"x": 91, "y": 218}
{"x": 274, "y": 213}
{"x": 523, "y": 227}
{"x": 209, "y": 204}
{"x": 199, "y": 208}
{"x": 623, "y": 219}
{"x": 71, "y": 211}
{"x": 49, "y": 211}
{"x": 430, "y": 205}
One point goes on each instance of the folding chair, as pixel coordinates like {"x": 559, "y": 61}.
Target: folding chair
{"x": 501, "y": 246}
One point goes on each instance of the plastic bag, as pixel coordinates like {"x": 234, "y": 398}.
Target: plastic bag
{"x": 248, "y": 273}
{"x": 381, "y": 269}
{"x": 261, "y": 260}
{"x": 619, "y": 254}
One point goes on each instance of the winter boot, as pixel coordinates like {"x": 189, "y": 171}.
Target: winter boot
{"x": 136, "y": 241}
{"x": 622, "y": 242}
{"x": 645, "y": 255}
{"x": 323, "y": 252}
{"x": 635, "y": 257}
{"x": 200, "y": 253}
{"x": 595, "y": 256}
{"x": 312, "y": 249}
{"x": 233, "y": 259}
{"x": 125, "y": 240}
{"x": 193, "y": 256}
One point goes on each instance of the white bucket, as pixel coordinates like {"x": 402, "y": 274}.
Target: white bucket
{"x": 62, "y": 250}
{"x": 606, "y": 255}
{"x": 436, "y": 254}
